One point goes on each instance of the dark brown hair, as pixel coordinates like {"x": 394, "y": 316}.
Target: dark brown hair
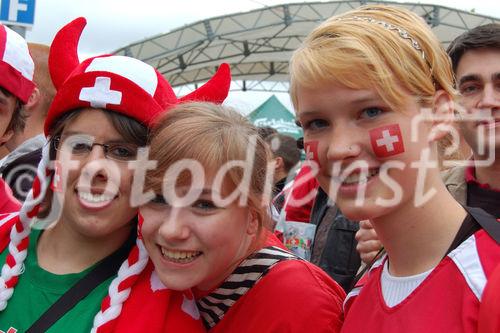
{"x": 19, "y": 116}
{"x": 484, "y": 36}
{"x": 131, "y": 130}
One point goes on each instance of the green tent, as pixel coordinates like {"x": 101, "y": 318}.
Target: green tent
{"x": 274, "y": 114}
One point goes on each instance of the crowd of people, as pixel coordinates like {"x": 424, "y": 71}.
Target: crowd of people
{"x": 125, "y": 208}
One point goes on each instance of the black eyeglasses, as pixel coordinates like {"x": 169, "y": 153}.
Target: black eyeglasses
{"x": 82, "y": 145}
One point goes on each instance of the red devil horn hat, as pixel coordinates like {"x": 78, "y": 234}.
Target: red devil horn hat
{"x": 215, "y": 90}
{"x": 116, "y": 83}
{"x": 62, "y": 65}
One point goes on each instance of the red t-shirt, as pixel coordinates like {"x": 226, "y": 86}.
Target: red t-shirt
{"x": 295, "y": 296}
{"x": 447, "y": 300}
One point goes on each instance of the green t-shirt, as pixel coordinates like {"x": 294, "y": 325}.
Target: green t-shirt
{"x": 38, "y": 289}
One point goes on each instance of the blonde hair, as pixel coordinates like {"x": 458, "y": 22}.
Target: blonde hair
{"x": 357, "y": 50}
{"x": 212, "y": 135}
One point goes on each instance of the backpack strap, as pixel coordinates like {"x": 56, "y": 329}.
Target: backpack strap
{"x": 103, "y": 270}
{"x": 214, "y": 306}
{"x": 489, "y": 223}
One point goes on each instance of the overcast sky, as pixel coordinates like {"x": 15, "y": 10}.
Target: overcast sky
{"x": 116, "y": 23}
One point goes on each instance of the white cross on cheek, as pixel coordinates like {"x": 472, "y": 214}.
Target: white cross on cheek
{"x": 387, "y": 140}
{"x": 100, "y": 94}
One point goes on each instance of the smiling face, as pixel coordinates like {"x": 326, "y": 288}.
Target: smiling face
{"x": 90, "y": 210}
{"x": 351, "y": 126}
{"x": 478, "y": 78}
{"x": 199, "y": 245}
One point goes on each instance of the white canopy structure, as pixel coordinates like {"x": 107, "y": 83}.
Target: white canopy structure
{"x": 258, "y": 44}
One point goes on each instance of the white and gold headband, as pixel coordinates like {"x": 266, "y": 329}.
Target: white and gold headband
{"x": 401, "y": 32}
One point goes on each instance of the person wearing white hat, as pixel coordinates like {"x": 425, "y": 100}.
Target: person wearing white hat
{"x": 16, "y": 88}
{"x": 88, "y": 271}
{"x": 24, "y": 148}
{"x": 16, "y": 81}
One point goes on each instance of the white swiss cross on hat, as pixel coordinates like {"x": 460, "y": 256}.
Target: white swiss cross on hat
{"x": 132, "y": 69}
{"x": 100, "y": 95}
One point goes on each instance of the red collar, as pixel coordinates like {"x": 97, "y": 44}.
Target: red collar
{"x": 470, "y": 177}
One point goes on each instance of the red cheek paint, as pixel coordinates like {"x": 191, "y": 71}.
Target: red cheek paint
{"x": 387, "y": 140}
{"x": 57, "y": 184}
{"x": 311, "y": 149}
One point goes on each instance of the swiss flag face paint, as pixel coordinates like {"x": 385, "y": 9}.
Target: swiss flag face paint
{"x": 311, "y": 149}
{"x": 57, "y": 185}
{"x": 387, "y": 140}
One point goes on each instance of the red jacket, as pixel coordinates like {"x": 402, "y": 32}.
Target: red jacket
{"x": 292, "y": 296}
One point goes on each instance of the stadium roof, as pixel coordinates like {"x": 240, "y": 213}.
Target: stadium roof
{"x": 258, "y": 44}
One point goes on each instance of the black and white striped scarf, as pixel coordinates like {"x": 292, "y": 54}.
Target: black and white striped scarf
{"x": 214, "y": 306}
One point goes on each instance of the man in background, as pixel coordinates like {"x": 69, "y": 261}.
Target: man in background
{"x": 17, "y": 91}
{"x": 286, "y": 155}
{"x": 19, "y": 166}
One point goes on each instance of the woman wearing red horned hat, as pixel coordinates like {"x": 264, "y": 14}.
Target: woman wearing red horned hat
{"x": 71, "y": 259}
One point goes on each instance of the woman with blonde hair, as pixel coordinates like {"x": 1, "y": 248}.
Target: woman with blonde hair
{"x": 207, "y": 228}
{"x": 373, "y": 90}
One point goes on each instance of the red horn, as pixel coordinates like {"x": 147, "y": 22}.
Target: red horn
{"x": 215, "y": 90}
{"x": 63, "y": 56}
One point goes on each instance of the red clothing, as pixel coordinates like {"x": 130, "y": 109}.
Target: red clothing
{"x": 294, "y": 209}
{"x": 9, "y": 207}
{"x": 151, "y": 307}
{"x": 489, "y": 312}
{"x": 273, "y": 240}
{"x": 295, "y": 296}
{"x": 8, "y": 203}
{"x": 7, "y": 220}
{"x": 300, "y": 189}
{"x": 446, "y": 301}
{"x": 292, "y": 296}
